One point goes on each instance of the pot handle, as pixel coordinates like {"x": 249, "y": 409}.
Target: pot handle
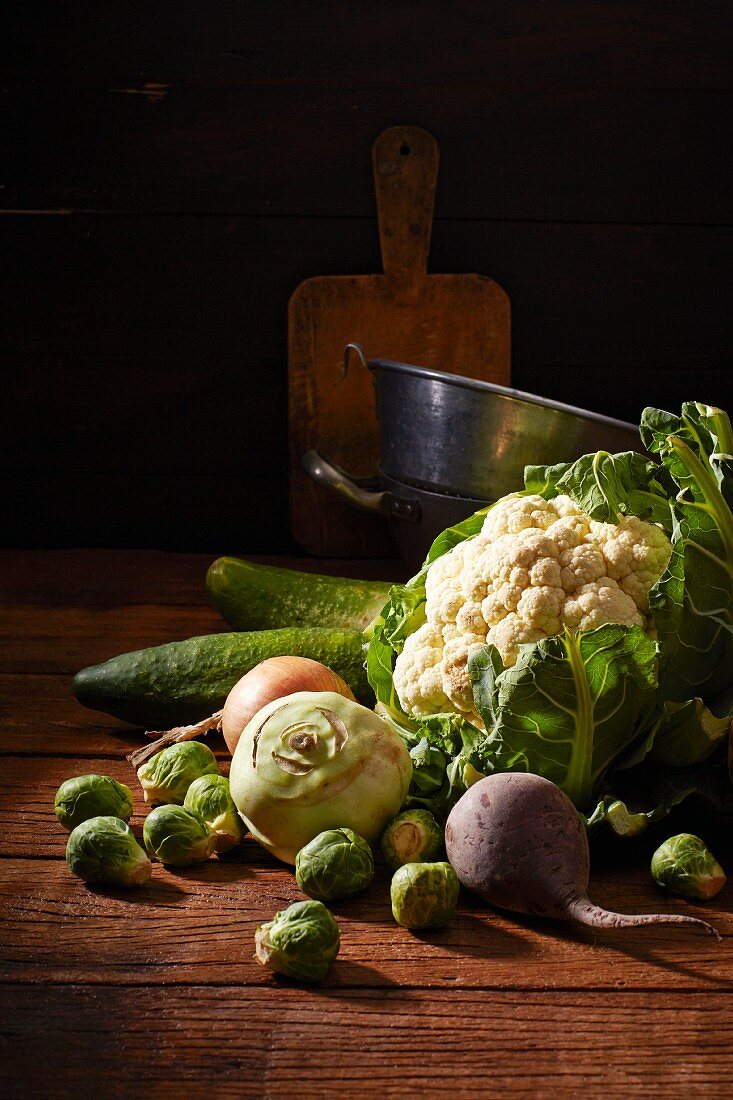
{"x": 361, "y": 492}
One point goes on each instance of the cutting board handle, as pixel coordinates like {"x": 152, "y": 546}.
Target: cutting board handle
{"x": 405, "y": 161}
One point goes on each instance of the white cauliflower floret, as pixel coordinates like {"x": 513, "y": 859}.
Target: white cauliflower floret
{"x": 581, "y": 565}
{"x": 509, "y": 634}
{"x": 454, "y": 670}
{"x": 541, "y": 608}
{"x": 636, "y": 554}
{"x": 569, "y": 531}
{"x": 417, "y": 674}
{"x": 470, "y": 620}
{"x": 474, "y": 577}
{"x": 525, "y": 551}
{"x": 513, "y": 514}
{"x": 444, "y": 596}
{"x": 600, "y": 602}
{"x": 537, "y": 567}
{"x": 566, "y": 506}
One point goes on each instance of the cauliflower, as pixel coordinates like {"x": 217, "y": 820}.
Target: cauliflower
{"x": 536, "y": 568}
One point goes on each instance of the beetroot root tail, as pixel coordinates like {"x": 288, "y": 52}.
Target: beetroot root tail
{"x": 585, "y": 912}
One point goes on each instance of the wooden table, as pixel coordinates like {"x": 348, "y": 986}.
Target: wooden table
{"x": 156, "y": 992}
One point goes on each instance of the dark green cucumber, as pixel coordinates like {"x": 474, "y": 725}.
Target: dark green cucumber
{"x": 183, "y": 682}
{"x": 263, "y": 597}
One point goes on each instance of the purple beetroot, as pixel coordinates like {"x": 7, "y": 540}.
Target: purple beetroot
{"x": 518, "y": 842}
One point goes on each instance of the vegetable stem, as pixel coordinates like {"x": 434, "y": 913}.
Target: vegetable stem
{"x": 714, "y": 500}
{"x": 174, "y": 737}
{"x": 585, "y": 912}
{"x": 578, "y": 776}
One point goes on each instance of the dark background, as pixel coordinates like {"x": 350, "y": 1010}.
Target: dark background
{"x": 176, "y": 169}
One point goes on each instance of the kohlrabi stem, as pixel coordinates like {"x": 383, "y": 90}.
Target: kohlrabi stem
{"x": 585, "y": 912}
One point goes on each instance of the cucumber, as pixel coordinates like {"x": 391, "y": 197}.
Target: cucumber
{"x": 263, "y": 597}
{"x": 183, "y": 682}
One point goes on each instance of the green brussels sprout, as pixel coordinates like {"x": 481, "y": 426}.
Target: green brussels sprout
{"x": 685, "y": 866}
{"x": 424, "y": 895}
{"x": 104, "y": 849}
{"x": 166, "y": 777}
{"x": 211, "y": 799}
{"x": 412, "y": 837}
{"x": 88, "y": 796}
{"x": 301, "y": 942}
{"x": 177, "y": 836}
{"x": 335, "y": 864}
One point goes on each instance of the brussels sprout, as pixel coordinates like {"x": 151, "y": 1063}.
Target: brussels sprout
{"x": 335, "y": 864}
{"x": 210, "y": 798}
{"x": 178, "y": 837}
{"x": 104, "y": 849}
{"x": 166, "y": 777}
{"x": 313, "y": 761}
{"x": 424, "y": 895}
{"x": 91, "y": 796}
{"x": 685, "y": 866}
{"x": 301, "y": 942}
{"x": 412, "y": 837}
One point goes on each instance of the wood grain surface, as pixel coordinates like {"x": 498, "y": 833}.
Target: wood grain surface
{"x": 157, "y": 990}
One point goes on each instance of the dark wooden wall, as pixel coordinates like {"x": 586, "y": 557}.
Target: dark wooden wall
{"x": 175, "y": 169}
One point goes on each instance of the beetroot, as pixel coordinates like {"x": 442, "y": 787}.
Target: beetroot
{"x": 517, "y": 841}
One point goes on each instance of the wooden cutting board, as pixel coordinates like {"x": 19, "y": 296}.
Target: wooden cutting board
{"x": 455, "y": 323}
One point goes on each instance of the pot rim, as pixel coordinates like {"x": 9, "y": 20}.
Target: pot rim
{"x": 505, "y": 392}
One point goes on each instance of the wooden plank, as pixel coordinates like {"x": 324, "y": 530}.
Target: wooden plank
{"x": 150, "y": 433}
{"x": 197, "y": 926}
{"x": 31, "y": 785}
{"x": 32, "y": 642}
{"x": 38, "y": 714}
{"x": 526, "y": 44}
{"x": 220, "y": 513}
{"x": 236, "y": 1042}
{"x": 117, "y": 578}
{"x": 40, "y": 717}
{"x": 580, "y": 154}
{"x": 650, "y": 298}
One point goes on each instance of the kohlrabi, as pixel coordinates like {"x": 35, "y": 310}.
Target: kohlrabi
{"x": 314, "y": 761}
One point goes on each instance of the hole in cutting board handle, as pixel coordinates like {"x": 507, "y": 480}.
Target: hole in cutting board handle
{"x": 404, "y": 149}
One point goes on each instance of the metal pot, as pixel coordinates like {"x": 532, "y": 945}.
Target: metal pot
{"x": 450, "y": 444}
{"x": 453, "y": 434}
{"x": 415, "y": 516}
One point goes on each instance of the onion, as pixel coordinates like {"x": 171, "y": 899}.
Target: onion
{"x": 272, "y": 679}
{"x": 267, "y": 681}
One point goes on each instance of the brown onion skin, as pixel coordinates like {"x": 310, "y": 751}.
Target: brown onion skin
{"x": 273, "y": 679}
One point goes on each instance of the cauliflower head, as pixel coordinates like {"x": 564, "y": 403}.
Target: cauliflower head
{"x": 536, "y": 568}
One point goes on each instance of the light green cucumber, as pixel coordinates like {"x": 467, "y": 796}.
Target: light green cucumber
{"x": 264, "y": 597}
{"x": 183, "y": 682}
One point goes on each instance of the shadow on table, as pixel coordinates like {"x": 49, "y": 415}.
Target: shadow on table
{"x": 156, "y": 894}
{"x": 473, "y": 936}
{"x": 619, "y": 941}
